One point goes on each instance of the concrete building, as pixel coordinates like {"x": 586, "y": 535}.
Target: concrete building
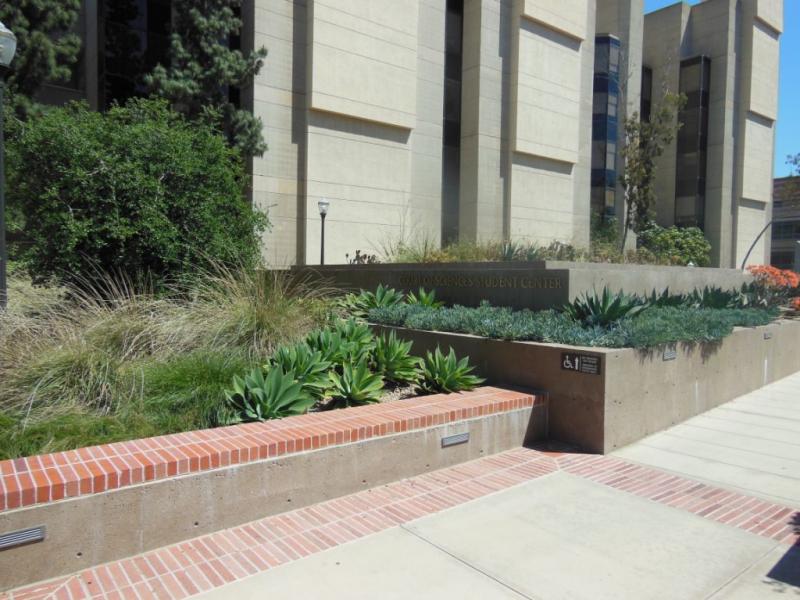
{"x": 785, "y": 250}
{"x": 723, "y": 54}
{"x": 443, "y": 120}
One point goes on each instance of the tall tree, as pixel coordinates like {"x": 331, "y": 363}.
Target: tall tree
{"x": 645, "y": 142}
{"x": 47, "y": 47}
{"x": 203, "y": 67}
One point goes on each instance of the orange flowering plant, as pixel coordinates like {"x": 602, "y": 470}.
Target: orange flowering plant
{"x": 778, "y": 286}
{"x": 774, "y": 277}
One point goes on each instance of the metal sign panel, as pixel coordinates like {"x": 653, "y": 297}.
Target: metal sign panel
{"x": 581, "y": 363}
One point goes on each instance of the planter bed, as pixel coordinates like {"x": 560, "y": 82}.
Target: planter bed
{"x": 118, "y": 500}
{"x": 635, "y": 392}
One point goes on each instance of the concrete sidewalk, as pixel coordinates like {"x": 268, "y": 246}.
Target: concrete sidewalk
{"x": 751, "y": 444}
{"x": 568, "y": 536}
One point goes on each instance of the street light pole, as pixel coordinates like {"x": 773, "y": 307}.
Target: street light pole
{"x": 323, "y": 205}
{"x": 8, "y": 47}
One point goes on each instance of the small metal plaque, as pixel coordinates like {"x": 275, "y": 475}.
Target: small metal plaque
{"x": 670, "y": 352}
{"x": 455, "y": 440}
{"x": 21, "y": 537}
{"x": 582, "y": 363}
{"x": 767, "y": 335}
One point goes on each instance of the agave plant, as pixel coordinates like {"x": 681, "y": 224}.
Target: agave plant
{"x": 359, "y": 305}
{"x": 259, "y": 398}
{"x": 714, "y": 297}
{"x": 666, "y": 299}
{"x": 355, "y": 385}
{"x": 427, "y": 299}
{"x": 604, "y": 309}
{"x": 392, "y": 359}
{"x": 447, "y": 374}
{"x": 309, "y": 367}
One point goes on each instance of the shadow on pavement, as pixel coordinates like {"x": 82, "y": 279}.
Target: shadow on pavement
{"x": 786, "y": 572}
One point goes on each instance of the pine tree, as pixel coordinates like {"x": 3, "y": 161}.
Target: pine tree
{"x": 202, "y": 67}
{"x": 46, "y": 48}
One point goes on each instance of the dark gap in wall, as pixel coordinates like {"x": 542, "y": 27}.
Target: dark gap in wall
{"x": 692, "y": 143}
{"x": 451, "y": 127}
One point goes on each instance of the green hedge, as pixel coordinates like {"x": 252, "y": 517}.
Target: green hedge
{"x": 136, "y": 190}
{"x": 652, "y": 327}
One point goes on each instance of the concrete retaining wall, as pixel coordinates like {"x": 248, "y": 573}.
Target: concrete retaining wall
{"x": 535, "y": 285}
{"x": 636, "y": 392}
{"x": 97, "y": 528}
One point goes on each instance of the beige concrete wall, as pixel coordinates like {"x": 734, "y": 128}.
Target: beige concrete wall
{"x": 551, "y": 103}
{"x": 756, "y": 115}
{"x": 90, "y": 530}
{"x": 351, "y": 98}
{"x": 363, "y": 59}
{"x": 278, "y": 99}
{"x": 637, "y": 393}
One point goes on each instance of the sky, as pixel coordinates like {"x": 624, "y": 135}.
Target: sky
{"x": 788, "y": 132}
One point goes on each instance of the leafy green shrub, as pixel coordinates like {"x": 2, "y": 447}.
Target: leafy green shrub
{"x": 424, "y": 299}
{"x": 309, "y": 367}
{"x": 136, "y": 189}
{"x": 677, "y": 245}
{"x": 358, "y": 305}
{"x": 593, "y": 309}
{"x": 392, "y": 359}
{"x": 259, "y": 398}
{"x": 447, "y": 374}
{"x": 355, "y": 385}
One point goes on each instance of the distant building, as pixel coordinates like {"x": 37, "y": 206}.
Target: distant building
{"x": 479, "y": 119}
{"x": 786, "y": 222}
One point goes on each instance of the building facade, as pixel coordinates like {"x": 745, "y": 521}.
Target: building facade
{"x": 432, "y": 121}
{"x": 723, "y": 54}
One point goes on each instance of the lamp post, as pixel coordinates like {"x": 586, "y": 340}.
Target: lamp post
{"x": 8, "y": 47}
{"x": 323, "y": 205}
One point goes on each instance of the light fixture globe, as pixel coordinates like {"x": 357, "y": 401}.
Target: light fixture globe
{"x": 323, "y": 205}
{"x": 8, "y": 46}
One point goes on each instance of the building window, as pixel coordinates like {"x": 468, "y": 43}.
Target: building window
{"x": 786, "y": 230}
{"x": 134, "y": 39}
{"x": 605, "y": 125}
{"x": 782, "y": 260}
{"x": 647, "y": 94}
{"x": 692, "y": 143}
{"x": 451, "y": 134}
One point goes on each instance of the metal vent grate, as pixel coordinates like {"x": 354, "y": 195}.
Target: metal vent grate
{"x": 22, "y": 537}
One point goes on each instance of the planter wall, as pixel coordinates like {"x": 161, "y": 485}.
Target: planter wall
{"x": 535, "y": 285}
{"x": 109, "y": 502}
{"x": 636, "y": 392}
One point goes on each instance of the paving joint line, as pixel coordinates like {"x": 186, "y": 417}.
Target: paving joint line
{"x": 468, "y": 564}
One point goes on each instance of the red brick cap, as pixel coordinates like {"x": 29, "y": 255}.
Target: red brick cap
{"x": 52, "y": 477}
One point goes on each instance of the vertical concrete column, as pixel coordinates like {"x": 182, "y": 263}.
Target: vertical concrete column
{"x": 277, "y": 96}
{"x": 484, "y": 129}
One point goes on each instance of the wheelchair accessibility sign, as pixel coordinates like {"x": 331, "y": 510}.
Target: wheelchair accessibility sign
{"x": 582, "y": 363}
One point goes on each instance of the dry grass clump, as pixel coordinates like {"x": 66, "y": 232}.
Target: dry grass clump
{"x": 91, "y": 348}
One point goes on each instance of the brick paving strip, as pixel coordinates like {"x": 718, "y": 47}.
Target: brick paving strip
{"x": 195, "y": 566}
{"x": 51, "y": 477}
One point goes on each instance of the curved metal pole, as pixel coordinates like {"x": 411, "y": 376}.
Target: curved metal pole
{"x": 763, "y": 231}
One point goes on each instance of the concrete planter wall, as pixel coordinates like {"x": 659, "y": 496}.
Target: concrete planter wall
{"x": 536, "y": 285}
{"x": 635, "y": 393}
